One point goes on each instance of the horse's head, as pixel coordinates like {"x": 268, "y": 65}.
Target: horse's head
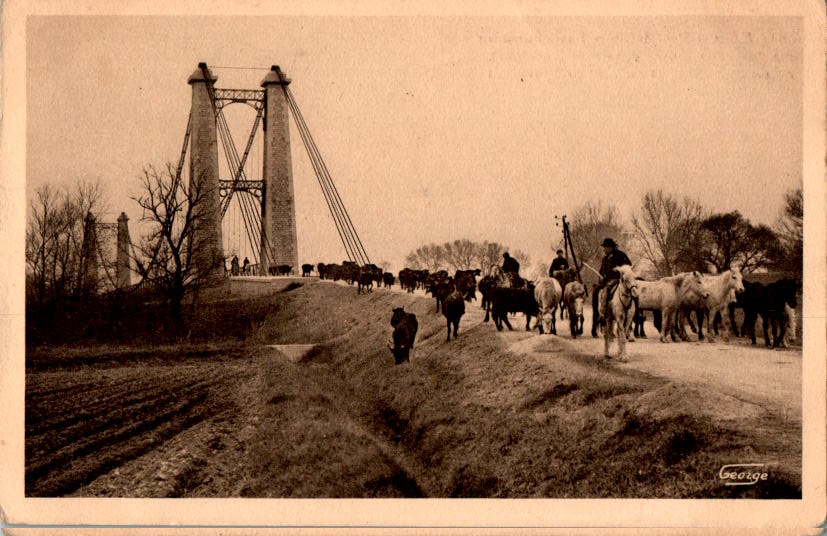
{"x": 696, "y": 284}
{"x": 788, "y": 291}
{"x": 737, "y": 280}
{"x": 628, "y": 279}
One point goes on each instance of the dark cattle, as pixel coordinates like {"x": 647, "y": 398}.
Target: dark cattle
{"x": 404, "y": 334}
{"x": 374, "y": 271}
{"x": 513, "y": 300}
{"x": 466, "y": 281}
{"x": 388, "y": 279}
{"x": 365, "y": 281}
{"x": 440, "y": 289}
{"x": 421, "y": 276}
{"x": 333, "y": 271}
{"x": 272, "y": 270}
{"x": 407, "y": 279}
{"x": 768, "y": 302}
{"x": 321, "y": 269}
{"x": 486, "y": 286}
{"x": 453, "y": 307}
{"x": 307, "y": 269}
{"x": 284, "y": 269}
{"x": 350, "y": 272}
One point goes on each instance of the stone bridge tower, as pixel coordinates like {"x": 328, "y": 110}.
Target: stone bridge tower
{"x": 278, "y": 207}
{"x": 208, "y": 255}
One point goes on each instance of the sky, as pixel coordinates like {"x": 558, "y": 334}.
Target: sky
{"x": 438, "y": 128}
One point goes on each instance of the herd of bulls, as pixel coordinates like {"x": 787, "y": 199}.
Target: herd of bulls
{"x": 672, "y": 301}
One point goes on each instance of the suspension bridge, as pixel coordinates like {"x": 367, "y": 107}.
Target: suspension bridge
{"x": 248, "y": 203}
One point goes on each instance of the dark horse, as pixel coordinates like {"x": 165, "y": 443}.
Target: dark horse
{"x": 768, "y": 301}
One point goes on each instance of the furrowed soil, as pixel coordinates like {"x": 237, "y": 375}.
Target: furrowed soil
{"x": 510, "y": 414}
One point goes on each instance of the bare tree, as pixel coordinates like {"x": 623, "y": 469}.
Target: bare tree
{"x": 461, "y": 254}
{"x": 522, "y": 257}
{"x": 662, "y": 227}
{"x": 790, "y": 231}
{"x": 166, "y": 253}
{"x": 430, "y": 257}
{"x": 40, "y": 239}
{"x": 55, "y": 234}
{"x": 588, "y": 226}
{"x": 489, "y": 254}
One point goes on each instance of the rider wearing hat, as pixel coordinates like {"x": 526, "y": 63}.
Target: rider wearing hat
{"x": 612, "y": 258}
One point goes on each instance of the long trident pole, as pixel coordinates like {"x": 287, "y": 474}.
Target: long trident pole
{"x": 570, "y": 246}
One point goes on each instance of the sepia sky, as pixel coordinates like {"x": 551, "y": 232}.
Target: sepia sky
{"x": 437, "y": 128}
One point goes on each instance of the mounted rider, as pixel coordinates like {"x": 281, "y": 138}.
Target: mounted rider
{"x": 559, "y": 263}
{"x": 511, "y": 270}
{"x": 609, "y": 277}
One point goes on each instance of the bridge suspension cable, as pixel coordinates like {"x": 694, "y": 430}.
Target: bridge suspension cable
{"x": 344, "y": 225}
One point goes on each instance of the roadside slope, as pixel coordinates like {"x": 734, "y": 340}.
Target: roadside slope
{"x": 494, "y": 415}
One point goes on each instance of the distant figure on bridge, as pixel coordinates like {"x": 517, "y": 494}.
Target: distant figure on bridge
{"x": 234, "y": 265}
{"x": 559, "y": 263}
{"x": 246, "y": 267}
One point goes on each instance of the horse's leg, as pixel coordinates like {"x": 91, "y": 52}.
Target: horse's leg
{"x": 554, "y": 320}
{"x": 699, "y": 317}
{"x": 621, "y": 338}
{"x": 775, "y": 329}
{"x": 765, "y": 325}
{"x": 504, "y": 319}
{"x": 607, "y": 334}
{"x": 595, "y": 311}
{"x": 448, "y": 321}
{"x": 750, "y": 317}
{"x": 782, "y": 328}
{"x": 573, "y": 321}
{"x": 710, "y": 320}
{"x": 727, "y": 325}
{"x": 667, "y": 326}
{"x": 731, "y": 308}
{"x": 627, "y": 324}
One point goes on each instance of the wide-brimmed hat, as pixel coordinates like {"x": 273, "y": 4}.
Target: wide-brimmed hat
{"x": 608, "y": 243}
{"x": 559, "y": 251}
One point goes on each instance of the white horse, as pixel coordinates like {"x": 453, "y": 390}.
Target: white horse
{"x": 667, "y": 294}
{"x": 619, "y": 310}
{"x": 721, "y": 290}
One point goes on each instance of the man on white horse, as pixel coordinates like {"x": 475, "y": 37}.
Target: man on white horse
{"x": 609, "y": 277}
